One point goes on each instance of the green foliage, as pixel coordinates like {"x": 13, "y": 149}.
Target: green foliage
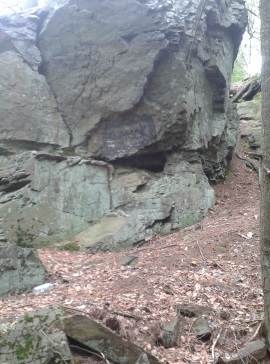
{"x": 69, "y": 151}
{"x": 239, "y": 72}
{"x": 248, "y": 57}
{"x": 24, "y": 239}
{"x": 23, "y": 351}
{"x": 71, "y": 247}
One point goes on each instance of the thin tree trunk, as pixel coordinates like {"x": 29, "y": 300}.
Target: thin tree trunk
{"x": 265, "y": 162}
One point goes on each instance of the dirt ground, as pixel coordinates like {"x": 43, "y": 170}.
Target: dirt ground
{"x": 214, "y": 263}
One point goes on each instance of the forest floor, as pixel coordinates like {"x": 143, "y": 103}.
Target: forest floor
{"x": 214, "y": 264}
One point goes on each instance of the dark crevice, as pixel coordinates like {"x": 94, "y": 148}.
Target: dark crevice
{"x": 14, "y": 186}
{"x": 41, "y": 69}
{"x": 25, "y": 145}
{"x": 150, "y": 162}
{"x": 163, "y": 221}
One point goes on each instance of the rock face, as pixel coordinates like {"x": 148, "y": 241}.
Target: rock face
{"x": 248, "y": 99}
{"x": 125, "y": 104}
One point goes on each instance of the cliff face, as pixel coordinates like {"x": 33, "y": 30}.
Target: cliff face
{"x": 126, "y": 105}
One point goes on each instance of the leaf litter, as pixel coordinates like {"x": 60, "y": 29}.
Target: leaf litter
{"x": 214, "y": 264}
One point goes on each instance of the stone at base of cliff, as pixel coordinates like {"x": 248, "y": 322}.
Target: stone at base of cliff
{"x": 21, "y": 269}
{"x": 44, "y": 336}
{"x": 169, "y": 334}
{"x": 94, "y": 335}
{"x": 202, "y": 329}
{"x": 36, "y": 339}
{"x": 144, "y": 203}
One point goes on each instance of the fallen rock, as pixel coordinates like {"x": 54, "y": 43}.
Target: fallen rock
{"x": 128, "y": 260}
{"x": 44, "y": 336}
{"x": 95, "y": 336}
{"x": 202, "y": 329}
{"x": 169, "y": 334}
{"x": 251, "y": 353}
{"x": 193, "y": 310}
{"x": 250, "y": 114}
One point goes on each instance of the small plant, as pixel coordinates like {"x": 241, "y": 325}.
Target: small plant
{"x": 24, "y": 239}
{"x": 69, "y": 151}
{"x": 71, "y": 247}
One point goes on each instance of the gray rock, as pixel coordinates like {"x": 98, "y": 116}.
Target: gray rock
{"x": 40, "y": 337}
{"x": 129, "y": 89}
{"x": 142, "y": 359}
{"x": 128, "y": 260}
{"x": 202, "y": 329}
{"x": 248, "y": 103}
{"x": 146, "y": 203}
{"x": 250, "y": 114}
{"x": 97, "y": 337}
{"x": 24, "y": 92}
{"x": 57, "y": 199}
{"x": 193, "y": 310}
{"x": 137, "y": 93}
{"x": 169, "y": 333}
{"x": 20, "y": 269}
{"x": 36, "y": 339}
{"x": 251, "y": 353}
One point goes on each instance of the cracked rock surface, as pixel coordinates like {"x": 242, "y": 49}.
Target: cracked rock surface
{"x": 114, "y": 117}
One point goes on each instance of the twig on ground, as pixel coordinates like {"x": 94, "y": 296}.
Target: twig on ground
{"x": 237, "y": 349}
{"x": 243, "y": 236}
{"x": 214, "y": 344}
{"x": 128, "y": 315}
{"x": 197, "y": 243}
{"x": 256, "y": 332}
{"x": 88, "y": 351}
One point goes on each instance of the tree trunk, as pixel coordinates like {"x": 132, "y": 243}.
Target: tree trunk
{"x": 265, "y": 162}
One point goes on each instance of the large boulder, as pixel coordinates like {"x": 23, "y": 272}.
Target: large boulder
{"x": 125, "y": 108}
{"x": 133, "y": 78}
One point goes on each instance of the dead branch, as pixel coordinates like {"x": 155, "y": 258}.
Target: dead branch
{"x": 214, "y": 344}
{"x": 197, "y": 243}
{"x": 249, "y": 163}
{"x": 256, "y": 333}
{"x": 127, "y": 315}
{"x": 88, "y": 351}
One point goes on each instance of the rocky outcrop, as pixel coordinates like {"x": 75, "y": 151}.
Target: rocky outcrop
{"x": 47, "y": 197}
{"x": 125, "y": 108}
{"x": 248, "y": 102}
